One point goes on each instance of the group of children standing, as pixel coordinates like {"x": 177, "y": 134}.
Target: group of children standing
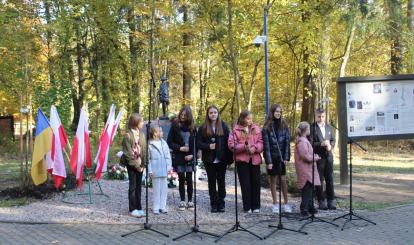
{"x": 219, "y": 147}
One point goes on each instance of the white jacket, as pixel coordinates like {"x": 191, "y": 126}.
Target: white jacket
{"x": 159, "y": 159}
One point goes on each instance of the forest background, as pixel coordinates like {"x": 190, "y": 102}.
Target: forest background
{"x": 73, "y": 52}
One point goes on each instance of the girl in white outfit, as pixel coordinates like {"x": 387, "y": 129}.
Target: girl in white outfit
{"x": 158, "y": 168}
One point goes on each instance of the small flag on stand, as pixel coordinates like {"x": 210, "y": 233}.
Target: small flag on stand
{"x": 81, "y": 153}
{"x": 55, "y": 161}
{"x": 106, "y": 140}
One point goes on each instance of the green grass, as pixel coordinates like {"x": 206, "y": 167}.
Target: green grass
{"x": 372, "y": 206}
{"x": 381, "y": 161}
{"x": 15, "y": 202}
{"x": 10, "y": 173}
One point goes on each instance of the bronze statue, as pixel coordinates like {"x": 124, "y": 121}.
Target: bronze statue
{"x": 163, "y": 96}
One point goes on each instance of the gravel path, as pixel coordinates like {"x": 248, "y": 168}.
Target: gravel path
{"x": 113, "y": 209}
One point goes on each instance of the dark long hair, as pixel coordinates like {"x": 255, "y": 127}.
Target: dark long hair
{"x": 207, "y": 129}
{"x": 270, "y": 116}
{"x": 189, "y": 120}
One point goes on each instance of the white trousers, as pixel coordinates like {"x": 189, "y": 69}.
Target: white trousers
{"x": 160, "y": 188}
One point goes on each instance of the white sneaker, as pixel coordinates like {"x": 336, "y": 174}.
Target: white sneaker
{"x": 135, "y": 213}
{"x": 287, "y": 208}
{"x": 256, "y": 211}
{"x": 141, "y": 213}
{"x": 275, "y": 208}
{"x": 248, "y": 211}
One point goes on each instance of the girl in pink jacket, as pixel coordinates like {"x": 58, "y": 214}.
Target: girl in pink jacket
{"x": 246, "y": 142}
{"x": 304, "y": 159}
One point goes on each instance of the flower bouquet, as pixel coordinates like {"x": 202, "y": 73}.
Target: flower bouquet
{"x": 117, "y": 172}
{"x": 172, "y": 179}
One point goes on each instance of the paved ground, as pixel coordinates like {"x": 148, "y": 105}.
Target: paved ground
{"x": 394, "y": 226}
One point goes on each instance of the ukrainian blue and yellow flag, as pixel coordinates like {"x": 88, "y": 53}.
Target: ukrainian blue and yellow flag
{"x": 42, "y": 145}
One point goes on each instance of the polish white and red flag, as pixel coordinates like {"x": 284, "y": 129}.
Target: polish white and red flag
{"x": 54, "y": 160}
{"x": 106, "y": 140}
{"x": 81, "y": 152}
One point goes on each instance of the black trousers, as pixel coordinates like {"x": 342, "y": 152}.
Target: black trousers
{"x": 325, "y": 170}
{"x": 216, "y": 173}
{"x": 134, "y": 191}
{"x": 249, "y": 178}
{"x": 183, "y": 178}
{"x": 306, "y": 193}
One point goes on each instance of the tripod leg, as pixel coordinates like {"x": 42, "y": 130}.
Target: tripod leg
{"x": 325, "y": 221}
{"x": 232, "y": 229}
{"x": 346, "y": 222}
{"x": 99, "y": 185}
{"x": 208, "y": 233}
{"x": 132, "y": 232}
{"x": 251, "y": 233}
{"x": 367, "y": 220}
{"x": 303, "y": 226}
{"x": 271, "y": 233}
{"x": 340, "y": 217}
{"x": 302, "y": 232}
{"x": 159, "y": 232}
{"x": 183, "y": 235}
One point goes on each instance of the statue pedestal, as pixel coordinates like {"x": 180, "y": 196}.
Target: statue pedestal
{"x": 165, "y": 124}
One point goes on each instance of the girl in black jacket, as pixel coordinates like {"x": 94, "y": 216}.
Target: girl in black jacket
{"x": 181, "y": 141}
{"x": 212, "y": 141}
{"x": 276, "y": 141}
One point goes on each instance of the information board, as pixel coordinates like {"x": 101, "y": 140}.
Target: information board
{"x": 380, "y": 108}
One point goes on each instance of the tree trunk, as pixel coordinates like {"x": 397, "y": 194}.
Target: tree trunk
{"x": 49, "y": 40}
{"x": 186, "y": 61}
{"x": 105, "y": 85}
{"x": 81, "y": 78}
{"x": 134, "y": 88}
{"x": 395, "y": 9}
{"x": 410, "y": 24}
{"x": 347, "y": 51}
{"x": 252, "y": 82}
{"x": 232, "y": 57}
{"x": 74, "y": 92}
{"x": 324, "y": 61}
{"x": 307, "y": 83}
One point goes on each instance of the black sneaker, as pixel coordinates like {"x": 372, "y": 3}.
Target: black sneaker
{"x": 181, "y": 206}
{"x": 313, "y": 210}
{"x": 304, "y": 213}
{"x": 221, "y": 210}
{"x": 214, "y": 210}
{"x": 190, "y": 205}
{"x": 322, "y": 205}
{"x": 331, "y": 205}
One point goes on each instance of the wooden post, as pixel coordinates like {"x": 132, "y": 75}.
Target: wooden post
{"x": 22, "y": 175}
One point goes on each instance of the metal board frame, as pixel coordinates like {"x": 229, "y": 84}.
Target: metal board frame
{"x": 342, "y": 111}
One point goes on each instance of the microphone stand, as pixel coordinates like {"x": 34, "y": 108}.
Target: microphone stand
{"x": 195, "y": 228}
{"x": 351, "y": 214}
{"x": 147, "y": 226}
{"x": 312, "y": 217}
{"x": 236, "y": 226}
{"x": 280, "y": 226}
